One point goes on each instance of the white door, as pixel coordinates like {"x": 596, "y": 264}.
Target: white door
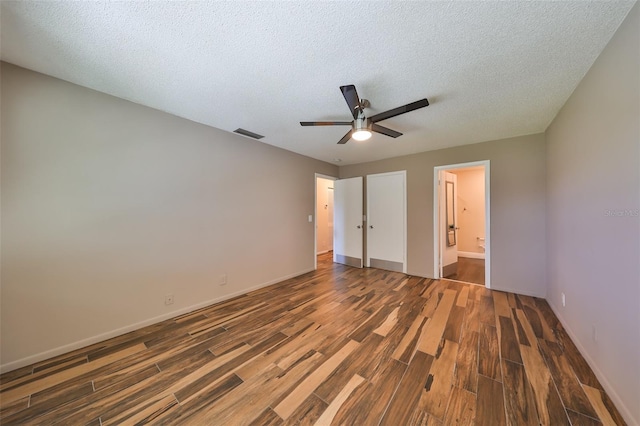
{"x": 386, "y": 221}
{"x": 448, "y": 224}
{"x": 347, "y": 221}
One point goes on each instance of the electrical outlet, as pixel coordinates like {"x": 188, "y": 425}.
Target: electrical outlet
{"x": 223, "y": 279}
{"x": 168, "y": 299}
{"x": 594, "y": 333}
{"x": 564, "y": 301}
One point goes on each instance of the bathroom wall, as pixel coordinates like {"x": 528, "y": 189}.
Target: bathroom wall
{"x": 470, "y": 204}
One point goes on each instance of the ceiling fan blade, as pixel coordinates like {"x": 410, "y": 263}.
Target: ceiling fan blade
{"x": 326, "y": 123}
{"x": 345, "y": 138}
{"x": 351, "y": 96}
{"x": 384, "y": 130}
{"x": 400, "y": 110}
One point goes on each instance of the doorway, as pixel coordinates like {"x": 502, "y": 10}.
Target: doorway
{"x": 324, "y": 215}
{"x": 462, "y": 222}
{"x": 323, "y": 229}
{"x": 386, "y": 220}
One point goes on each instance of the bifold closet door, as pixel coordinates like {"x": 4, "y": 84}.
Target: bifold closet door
{"x": 386, "y": 221}
{"x": 347, "y": 221}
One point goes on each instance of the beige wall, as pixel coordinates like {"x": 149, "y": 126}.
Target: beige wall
{"x": 517, "y": 189}
{"x": 470, "y": 207}
{"x": 593, "y": 162}
{"x": 107, "y": 206}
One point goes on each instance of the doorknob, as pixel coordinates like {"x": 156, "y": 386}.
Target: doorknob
{"x": 358, "y": 226}
{"x": 371, "y": 226}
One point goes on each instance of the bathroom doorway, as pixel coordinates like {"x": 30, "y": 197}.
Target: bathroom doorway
{"x": 461, "y": 222}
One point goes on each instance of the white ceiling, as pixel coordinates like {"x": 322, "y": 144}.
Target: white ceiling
{"x": 491, "y": 70}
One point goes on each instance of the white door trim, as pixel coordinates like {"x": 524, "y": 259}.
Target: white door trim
{"x": 487, "y": 216}
{"x": 315, "y": 215}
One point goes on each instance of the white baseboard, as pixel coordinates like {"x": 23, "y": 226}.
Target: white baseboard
{"x": 471, "y": 254}
{"x": 32, "y": 359}
{"x": 622, "y": 408}
{"x": 323, "y": 252}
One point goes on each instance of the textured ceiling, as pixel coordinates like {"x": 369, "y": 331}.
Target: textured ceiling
{"x": 491, "y": 70}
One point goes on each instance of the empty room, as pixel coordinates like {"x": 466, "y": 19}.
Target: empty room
{"x": 320, "y": 213}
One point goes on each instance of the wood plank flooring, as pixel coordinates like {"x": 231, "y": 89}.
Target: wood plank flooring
{"x": 469, "y": 271}
{"x": 336, "y": 346}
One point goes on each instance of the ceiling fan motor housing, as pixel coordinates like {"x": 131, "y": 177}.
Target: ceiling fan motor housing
{"x": 361, "y": 123}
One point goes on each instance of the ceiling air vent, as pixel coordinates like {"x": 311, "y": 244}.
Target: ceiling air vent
{"x": 244, "y": 132}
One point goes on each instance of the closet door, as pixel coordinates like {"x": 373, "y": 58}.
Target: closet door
{"x": 347, "y": 221}
{"x": 386, "y": 221}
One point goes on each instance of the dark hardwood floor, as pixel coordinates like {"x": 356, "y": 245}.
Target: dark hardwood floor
{"x": 469, "y": 271}
{"x": 336, "y": 346}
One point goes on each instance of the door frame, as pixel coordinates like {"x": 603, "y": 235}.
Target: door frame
{"x": 487, "y": 216}
{"x": 315, "y": 215}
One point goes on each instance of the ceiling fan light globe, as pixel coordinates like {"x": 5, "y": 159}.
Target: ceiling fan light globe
{"x": 361, "y": 135}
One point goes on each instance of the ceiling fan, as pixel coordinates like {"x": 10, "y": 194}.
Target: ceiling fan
{"x": 361, "y": 126}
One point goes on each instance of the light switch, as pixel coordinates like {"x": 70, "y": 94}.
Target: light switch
{"x": 310, "y": 218}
